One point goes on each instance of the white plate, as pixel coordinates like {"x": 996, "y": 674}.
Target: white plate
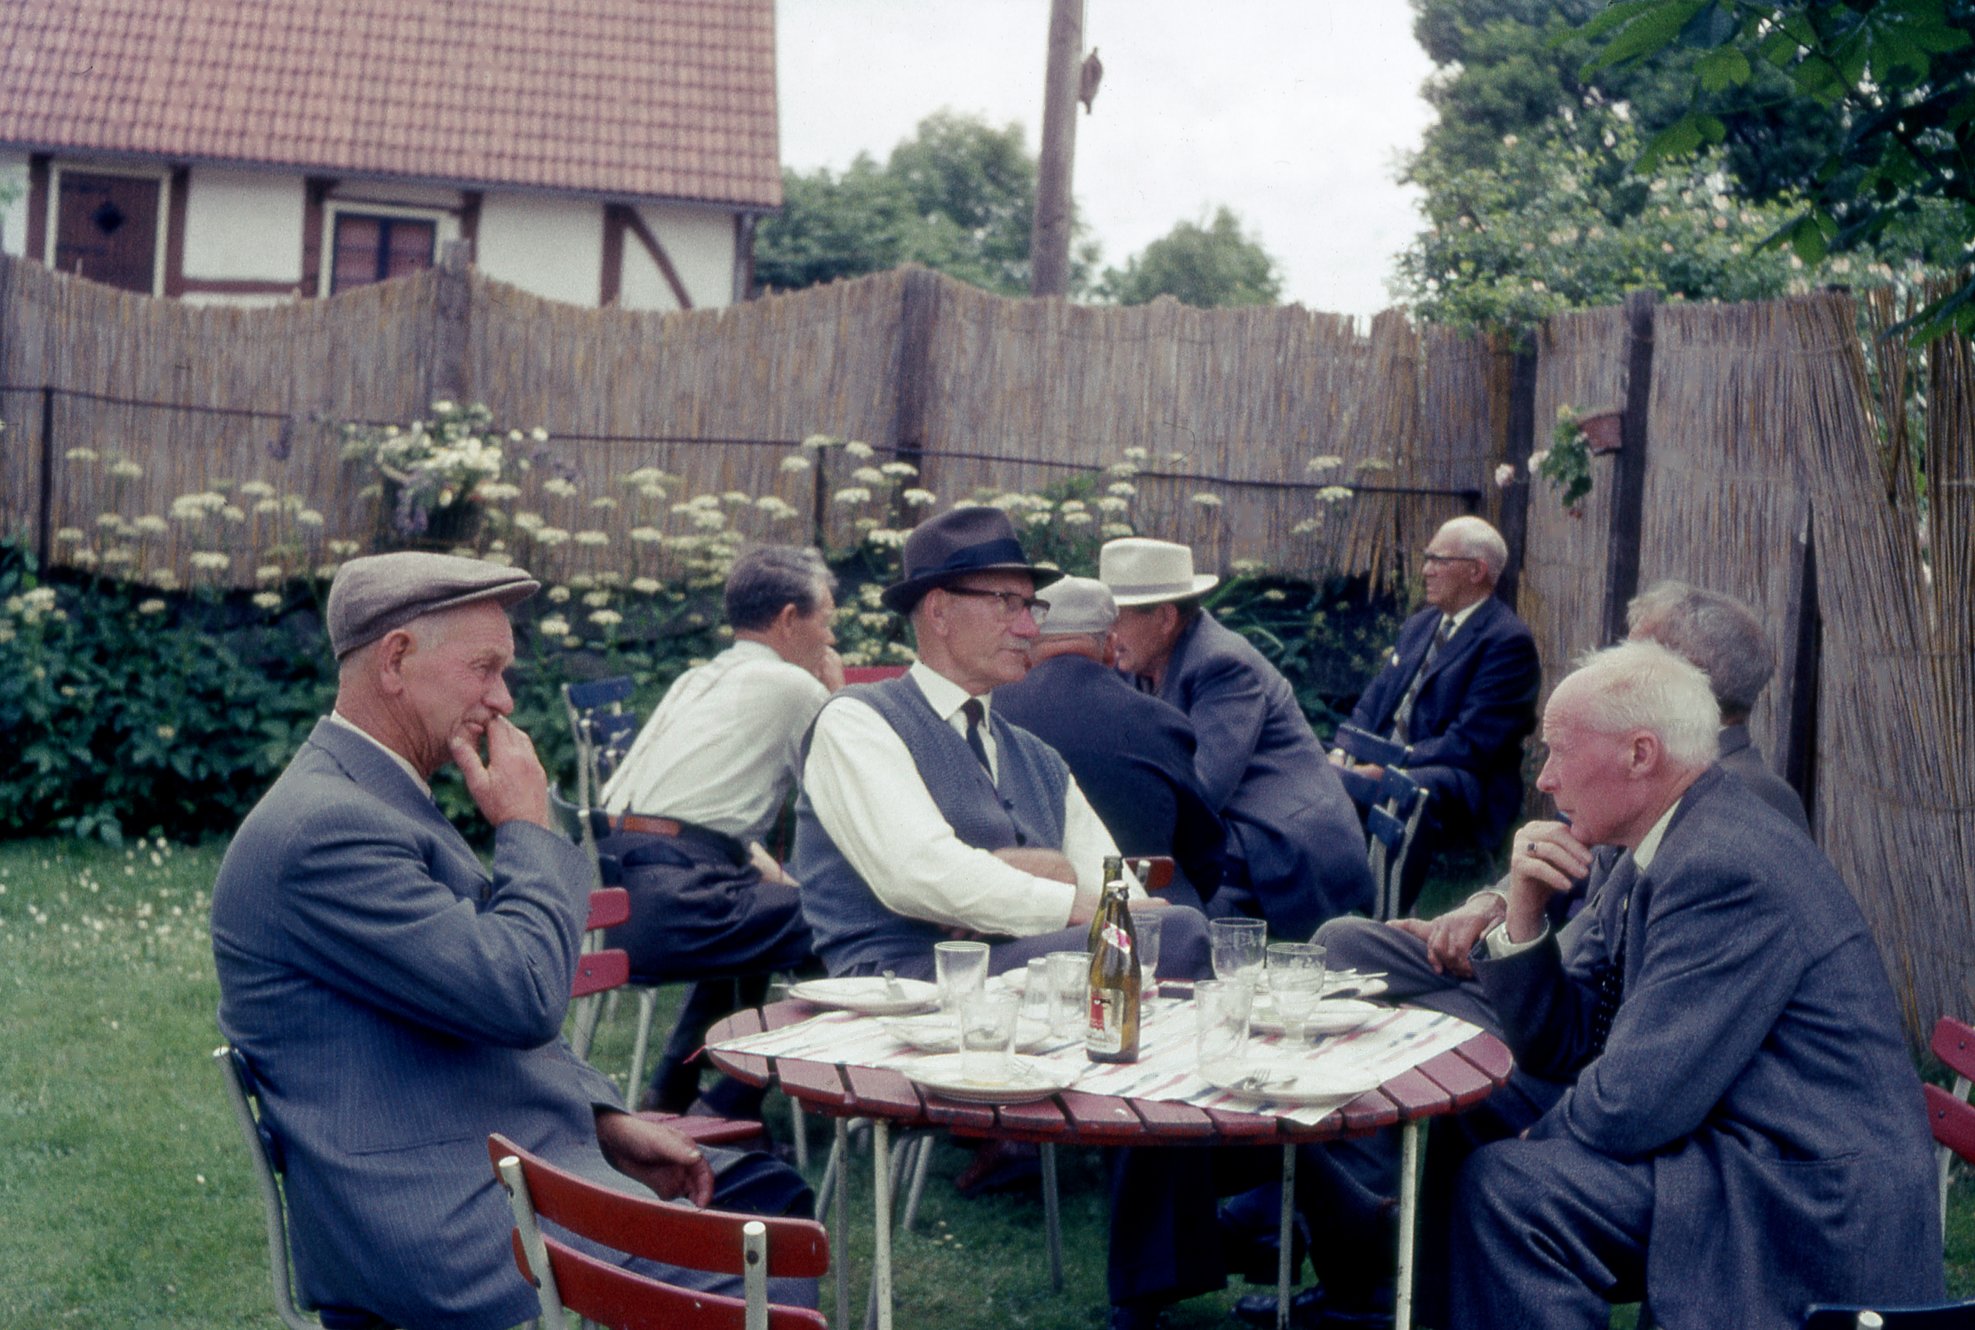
{"x": 936, "y": 1032}
{"x": 869, "y": 994}
{"x": 1290, "y": 1081}
{"x": 1028, "y": 1079}
{"x": 1330, "y": 1016}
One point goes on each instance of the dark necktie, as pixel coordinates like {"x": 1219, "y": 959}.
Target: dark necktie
{"x": 1608, "y": 975}
{"x": 974, "y": 712}
{"x": 1402, "y": 714}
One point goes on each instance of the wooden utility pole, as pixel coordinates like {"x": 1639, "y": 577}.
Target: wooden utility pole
{"x": 1049, "y": 238}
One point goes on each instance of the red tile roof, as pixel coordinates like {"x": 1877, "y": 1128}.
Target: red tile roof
{"x": 627, "y": 98}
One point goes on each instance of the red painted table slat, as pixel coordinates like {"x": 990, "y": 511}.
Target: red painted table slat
{"x": 1461, "y": 1079}
{"x": 1416, "y": 1096}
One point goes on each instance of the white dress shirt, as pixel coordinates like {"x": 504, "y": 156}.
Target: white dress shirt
{"x": 870, "y": 797}
{"x": 724, "y": 746}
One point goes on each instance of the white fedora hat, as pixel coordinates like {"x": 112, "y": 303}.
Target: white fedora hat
{"x": 1144, "y": 572}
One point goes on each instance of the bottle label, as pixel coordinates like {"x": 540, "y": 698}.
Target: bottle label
{"x": 1116, "y": 935}
{"x": 1105, "y": 1032}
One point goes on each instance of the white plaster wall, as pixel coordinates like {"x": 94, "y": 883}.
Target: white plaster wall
{"x": 552, "y": 247}
{"x": 700, "y": 243}
{"x": 13, "y": 203}
{"x": 243, "y": 225}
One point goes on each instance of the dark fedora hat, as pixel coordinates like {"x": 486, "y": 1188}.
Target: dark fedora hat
{"x": 959, "y": 541}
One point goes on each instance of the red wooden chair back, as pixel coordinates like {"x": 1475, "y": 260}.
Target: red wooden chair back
{"x": 872, "y": 673}
{"x": 710, "y": 1240}
{"x": 609, "y": 907}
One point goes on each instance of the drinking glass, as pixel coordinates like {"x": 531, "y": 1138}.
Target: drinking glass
{"x": 1296, "y": 981}
{"x": 1038, "y": 994}
{"x": 987, "y": 1034}
{"x": 961, "y": 968}
{"x": 1238, "y": 948}
{"x": 1069, "y": 981}
{"x": 1220, "y": 1028}
{"x": 1145, "y": 926}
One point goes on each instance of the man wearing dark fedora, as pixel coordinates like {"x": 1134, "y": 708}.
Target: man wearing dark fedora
{"x": 396, "y": 1001}
{"x": 1295, "y": 849}
{"x": 925, "y": 815}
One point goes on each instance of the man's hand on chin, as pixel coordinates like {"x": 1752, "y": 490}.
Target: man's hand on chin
{"x": 662, "y": 1158}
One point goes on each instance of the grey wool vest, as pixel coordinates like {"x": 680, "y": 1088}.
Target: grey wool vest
{"x": 854, "y": 932}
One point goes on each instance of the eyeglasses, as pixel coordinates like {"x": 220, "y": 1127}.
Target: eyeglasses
{"x": 1449, "y": 558}
{"x": 1012, "y": 602}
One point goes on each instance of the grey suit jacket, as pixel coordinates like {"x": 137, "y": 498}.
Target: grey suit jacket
{"x": 397, "y": 1005}
{"x": 1291, "y": 827}
{"x": 1756, "y": 1065}
{"x": 1740, "y": 756}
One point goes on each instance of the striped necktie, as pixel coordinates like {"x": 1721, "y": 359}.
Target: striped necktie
{"x": 1402, "y": 715}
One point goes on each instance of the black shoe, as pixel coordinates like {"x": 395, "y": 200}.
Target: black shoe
{"x": 1312, "y": 1310}
{"x": 1259, "y": 1309}
{"x": 1137, "y": 1316}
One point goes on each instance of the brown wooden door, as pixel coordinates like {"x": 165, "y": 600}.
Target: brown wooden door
{"x": 107, "y": 229}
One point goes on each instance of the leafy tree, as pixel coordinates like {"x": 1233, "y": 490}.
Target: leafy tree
{"x": 1209, "y": 266}
{"x": 958, "y": 197}
{"x": 1895, "y": 77}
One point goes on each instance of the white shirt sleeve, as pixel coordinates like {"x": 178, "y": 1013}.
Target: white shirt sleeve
{"x": 1500, "y": 948}
{"x": 869, "y": 796}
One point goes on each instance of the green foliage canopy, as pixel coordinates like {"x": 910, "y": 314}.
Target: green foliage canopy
{"x": 1207, "y": 265}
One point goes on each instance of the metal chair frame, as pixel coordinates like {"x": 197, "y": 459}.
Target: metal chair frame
{"x": 1393, "y": 825}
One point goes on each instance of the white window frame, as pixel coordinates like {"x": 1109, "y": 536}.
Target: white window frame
{"x": 52, "y": 231}
{"x": 444, "y": 225}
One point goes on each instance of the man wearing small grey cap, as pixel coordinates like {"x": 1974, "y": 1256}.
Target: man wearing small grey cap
{"x": 396, "y": 1002}
{"x": 1132, "y": 755}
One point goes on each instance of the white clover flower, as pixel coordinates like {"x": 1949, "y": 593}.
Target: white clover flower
{"x": 210, "y": 561}
{"x": 152, "y": 606}
{"x": 233, "y": 513}
{"x": 646, "y": 535}
{"x": 69, "y": 535}
{"x": 269, "y": 572}
{"x": 309, "y": 517}
{"x": 267, "y": 600}
{"x": 1121, "y": 489}
{"x": 557, "y": 594}
{"x": 868, "y": 475}
{"x": 885, "y": 538}
{"x": 444, "y": 407}
{"x": 1207, "y": 499}
{"x": 901, "y": 470}
{"x": 1335, "y": 493}
{"x": 596, "y": 600}
{"x": 80, "y": 455}
{"x": 126, "y": 470}
{"x": 775, "y": 508}
{"x": 326, "y": 571}
{"x": 653, "y": 492}
{"x": 709, "y": 520}
{"x": 1505, "y": 476}
{"x": 644, "y": 475}
{"x": 256, "y": 489}
{"x": 582, "y": 582}
{"x": 821, "y": 441}
{"x": 1305, "y": 527}
{"x": 538, "y": 435}
{"x": 559, "y": 486}
{"x": 1113, "y": 530}
{"x": 851, "y": 494}
{"x": 1327, "y": 462}
{"x": 1037, "y": 519}
{"x": 1078, "y": 518}
{"x": 857, "y": 449}
{"x": 918, "y": 498}
{"x": 551, "y": 535}
{"x": 343, "y": 548}
{"x": 38, "y": 601}
{"x": 606, "y": 618}
{"x": 267, "y": 507}
{"x": 150, "y": 525}
{"x": 1112, "y": 505}
{"x": 646, "y": 586}
{"x": 1135, "y": 454}
{"x": 593, "y": 539}
{"x": 1247, "y": 567}
{"x": 1536, "y": 460}
{"x": 795, "y": 462}
{"x": 736, "y": 499}
{"x": 165, "y": 580}
{"x": 529, "y": 522}
{"x": 117, "y": 555}
{"x": 496, "y": 491}
{"x": 603, "y": 501}
{"x": 1121, "y": 469}
{"x": 498, "y": 558}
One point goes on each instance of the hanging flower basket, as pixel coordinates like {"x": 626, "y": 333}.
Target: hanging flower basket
{"x": 1602, "y": 431}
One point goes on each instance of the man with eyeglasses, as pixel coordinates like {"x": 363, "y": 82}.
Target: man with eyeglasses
{"x": 924, "y": 815}
{"x": 1457, "y": 696}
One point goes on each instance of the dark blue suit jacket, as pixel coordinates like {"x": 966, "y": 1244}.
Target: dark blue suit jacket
{"x": 1756, "y": 1066}
{"x": 1295, "y": 845}
{"x": 1476, "y": 706}
{"x": 1132, "y": 756}
{"x": 397, "y": 1003}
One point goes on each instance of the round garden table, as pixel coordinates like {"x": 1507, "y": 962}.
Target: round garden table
{"x": 1445, "y": 1083}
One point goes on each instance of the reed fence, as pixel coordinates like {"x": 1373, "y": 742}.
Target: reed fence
{"x": 1291, "y": 438}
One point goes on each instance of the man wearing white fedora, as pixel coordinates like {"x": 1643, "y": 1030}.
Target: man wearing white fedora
{"x": 1296, "y": 850}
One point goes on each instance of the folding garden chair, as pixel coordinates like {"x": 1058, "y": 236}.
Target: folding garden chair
{"x": 602, "y": 730}
{"x": 1393, "y": 824}
{"x": 1950, "y": 1114}
{"x": 265, "y": 1151}
{"x": 710, "y": 1240}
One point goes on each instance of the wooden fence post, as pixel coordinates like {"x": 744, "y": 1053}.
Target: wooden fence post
{"x": 1796, "y": 694}
{"x": 452, "y": 317}
{"x": 1629, "y": 469}
{"x": 1521, "y": 443}
{"x": 918, "y": 315}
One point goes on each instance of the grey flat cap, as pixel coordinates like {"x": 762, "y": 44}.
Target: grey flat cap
{"x": 1079, "y": 605}
{"x": 380, "y": 592}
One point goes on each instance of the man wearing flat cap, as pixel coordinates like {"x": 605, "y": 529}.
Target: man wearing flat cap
{"x": 396, "y": 1002}
{"x": 1295, "y": 848}
{"x": 1132, "y": 754}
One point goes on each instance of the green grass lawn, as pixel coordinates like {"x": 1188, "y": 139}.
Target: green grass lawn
{"x": 126, "y": 1192}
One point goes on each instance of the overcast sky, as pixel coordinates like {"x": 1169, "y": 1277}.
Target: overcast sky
{"x": 1290, "y": 112}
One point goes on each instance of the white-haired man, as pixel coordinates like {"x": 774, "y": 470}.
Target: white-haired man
{"x": 1457, "y": 694}
{"x": 1744, "y": 1133}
